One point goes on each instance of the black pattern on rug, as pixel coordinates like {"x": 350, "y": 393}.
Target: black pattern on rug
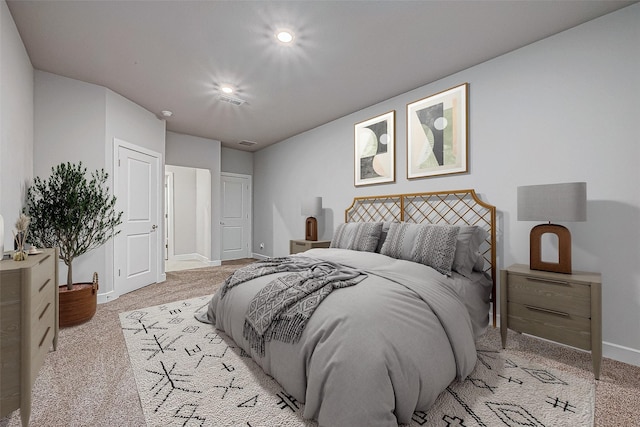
{"x": 188, "y": 373}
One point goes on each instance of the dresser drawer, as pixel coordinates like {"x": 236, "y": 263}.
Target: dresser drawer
{"x": 557, "y": 295}
{"x": 44, "y": 292}
{"x": 41, "y": 273}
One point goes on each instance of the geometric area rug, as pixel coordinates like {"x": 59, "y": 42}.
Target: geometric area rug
{"x": 190, "y": 374}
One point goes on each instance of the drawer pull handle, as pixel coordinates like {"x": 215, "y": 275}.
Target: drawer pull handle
{"x": 299, "y": 244}
{"x": 543, "y": 280}
{"x": 44, "y": 336}
{"x": 546, "y": 310}
{"x": 44, "y": 311}
{"x": 44, "y": 259}
{"x": 44, "y": 285}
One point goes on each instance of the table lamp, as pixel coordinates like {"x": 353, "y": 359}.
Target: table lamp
{"x": 312, "y": 207}
{"x": 552, "y": 202}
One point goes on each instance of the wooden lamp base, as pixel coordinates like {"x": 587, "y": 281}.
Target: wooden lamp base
{"x": 564, "y": 248}
{"x": 311, "y": 232}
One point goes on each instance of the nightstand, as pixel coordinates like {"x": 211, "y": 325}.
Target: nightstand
{"x": 297, "y": 246}
{"x": 565, "y": 308}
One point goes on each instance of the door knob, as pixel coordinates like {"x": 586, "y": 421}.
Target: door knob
{"x": 153, "y": 227}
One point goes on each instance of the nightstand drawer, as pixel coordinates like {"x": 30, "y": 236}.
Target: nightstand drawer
{"x": 557, "y": 295}
{"x": 556, "y": 326}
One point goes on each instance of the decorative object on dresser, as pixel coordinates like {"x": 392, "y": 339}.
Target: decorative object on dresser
{"x": 20, "y": 237}
{"x": 437, "y": 134}
{"x": 28, "y": 326}
{"x": 75, "y": 214}
{"x": 297, "y": 246}
{"x": 312, "y": 207}
{"x": 566, "y": 308}
{"x": 374, "y": 145}
{"x": 552, "y": 202}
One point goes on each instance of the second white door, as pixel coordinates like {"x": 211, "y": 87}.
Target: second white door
{"x": 236, "y": 216}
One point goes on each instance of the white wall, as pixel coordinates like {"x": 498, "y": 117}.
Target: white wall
{"x": 77, "y": 121}
{"x": 184, "y": 217}
{"x": 196, "y": 152}
{"x": 563, "y": 109}
{"x": 16, "y": 123}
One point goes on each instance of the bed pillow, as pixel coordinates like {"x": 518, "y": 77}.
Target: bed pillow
{"x": 429, "y": 244}
{"x": 357, "y": 236}
{"x": 383, "y": 235}
{"x": 467, "y": 249}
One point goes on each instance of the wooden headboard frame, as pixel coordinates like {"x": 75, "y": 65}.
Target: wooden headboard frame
{"x": 457, "y": 207}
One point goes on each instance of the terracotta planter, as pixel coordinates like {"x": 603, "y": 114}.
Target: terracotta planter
{"x": 78, "y": 305}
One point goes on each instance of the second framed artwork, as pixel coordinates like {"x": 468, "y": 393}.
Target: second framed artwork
{"x": 374, "y": 144}
{"x": 437, "y": 134}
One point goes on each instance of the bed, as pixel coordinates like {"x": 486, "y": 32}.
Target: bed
{"x": 375, "y": 327}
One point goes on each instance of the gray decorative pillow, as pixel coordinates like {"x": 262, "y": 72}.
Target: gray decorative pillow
{"x": 435, "y": 246}
{"x": 468, "y": 249}
{"x": 357, "y": 236}
{"x": 432, "y": 245}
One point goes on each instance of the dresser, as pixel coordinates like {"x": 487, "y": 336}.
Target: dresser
{"x": 565, "y": 308}
{"x": 28, "y": 326}
{"x": 297, "y": 246}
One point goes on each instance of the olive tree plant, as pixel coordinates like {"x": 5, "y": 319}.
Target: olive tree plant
{"x": 72, "y": 211}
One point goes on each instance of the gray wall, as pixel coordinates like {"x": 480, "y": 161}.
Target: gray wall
{"x": 196, "y": 152}
{"x": 16, "y": 123}
{"x": 236, "y": 161}
{"x": 78, "y": 121}
{"x": 563, "y": 109}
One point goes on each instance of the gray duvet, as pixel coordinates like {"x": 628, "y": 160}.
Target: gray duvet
{"x": 371, "y": 354}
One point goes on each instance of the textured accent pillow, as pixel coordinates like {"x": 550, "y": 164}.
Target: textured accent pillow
{"x": 432, "y": 245}
{"x": 467, "y": 249}
{"x": 435, "y": 246}
{"x": 357, "y": 236}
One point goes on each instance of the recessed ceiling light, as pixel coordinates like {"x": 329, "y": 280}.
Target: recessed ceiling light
{"x": 227, "y": 89}
{"x": 167, "y": 113}
{"x": 284, "y": 36}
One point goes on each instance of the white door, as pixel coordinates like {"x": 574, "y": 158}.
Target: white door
{"x": 136, "y": 247}
{"x": 236, "y": 216}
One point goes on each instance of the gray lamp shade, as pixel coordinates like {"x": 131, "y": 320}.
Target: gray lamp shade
{"x": 312, "y": 206}
{"x": 553, "y": 202}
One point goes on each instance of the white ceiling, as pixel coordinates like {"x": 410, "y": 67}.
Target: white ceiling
{"x": 347, "y": 55}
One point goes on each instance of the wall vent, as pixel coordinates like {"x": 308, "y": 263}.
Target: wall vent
{"x": 231, "y": 100}
{"x": 247, "y": 143}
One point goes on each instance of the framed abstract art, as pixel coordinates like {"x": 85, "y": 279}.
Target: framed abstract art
{"x": 437, "y": 134}
{"x": 374, "y": 143}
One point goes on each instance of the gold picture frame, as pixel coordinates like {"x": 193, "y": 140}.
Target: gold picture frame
{"x": 374, "y": 150}
{"x": 437, "y": 134}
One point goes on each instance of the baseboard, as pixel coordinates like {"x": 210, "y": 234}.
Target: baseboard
{"x": 106, "y": 297}
{"x": 621, "y": 353}
{"x": 259, "y": 256}
{"x": 214, "y": 263}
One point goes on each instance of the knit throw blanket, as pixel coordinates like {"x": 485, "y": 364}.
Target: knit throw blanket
{"x": 281, "y": 309}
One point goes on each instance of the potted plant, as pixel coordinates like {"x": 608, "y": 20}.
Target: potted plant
{"x": 75, "y": 214}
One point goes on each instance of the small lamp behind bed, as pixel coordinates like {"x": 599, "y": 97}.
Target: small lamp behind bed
{"x": 552, "y": 202}
{"x": 312, "y": 207}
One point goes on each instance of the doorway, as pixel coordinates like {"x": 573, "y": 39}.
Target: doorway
{"x": 188, "y": 217}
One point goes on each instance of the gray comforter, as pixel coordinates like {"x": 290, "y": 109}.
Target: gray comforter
{"x": 372, "y": 353}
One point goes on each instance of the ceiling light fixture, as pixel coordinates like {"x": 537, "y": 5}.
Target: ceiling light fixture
{"x": 166, "y": 113}
{"x": 227, "y": 89}
{"x": 284, "y": 36}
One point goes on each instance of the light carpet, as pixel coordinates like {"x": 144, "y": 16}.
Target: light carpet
{"x": 189, "y": 374}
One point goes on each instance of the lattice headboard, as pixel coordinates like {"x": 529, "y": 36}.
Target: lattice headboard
{"x": 458, "y": 207}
